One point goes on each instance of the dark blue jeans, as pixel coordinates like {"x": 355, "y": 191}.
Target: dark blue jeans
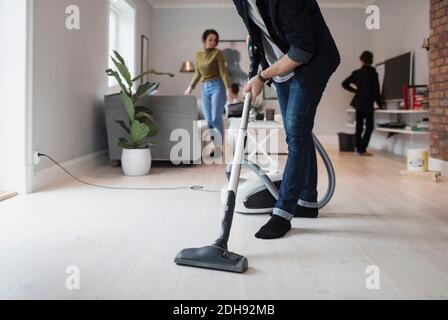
{"x": 298, "y": 105}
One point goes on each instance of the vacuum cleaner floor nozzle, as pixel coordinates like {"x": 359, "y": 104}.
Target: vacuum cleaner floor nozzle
{"x": 212, "y": 257}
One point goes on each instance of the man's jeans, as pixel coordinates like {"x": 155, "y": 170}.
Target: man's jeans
{"x": 298, "y": 105}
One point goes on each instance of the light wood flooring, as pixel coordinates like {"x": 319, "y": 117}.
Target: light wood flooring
{"x": 124, "y": 242}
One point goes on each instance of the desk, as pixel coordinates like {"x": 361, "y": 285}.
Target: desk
{"x": 265, "y": 141}
{"x": 264, "y": 137}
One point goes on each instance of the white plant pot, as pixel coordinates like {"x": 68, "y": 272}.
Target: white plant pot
{"x": 136, "y": 162}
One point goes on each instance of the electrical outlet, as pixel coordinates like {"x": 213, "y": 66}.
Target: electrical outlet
{"x": 36, "y": 158}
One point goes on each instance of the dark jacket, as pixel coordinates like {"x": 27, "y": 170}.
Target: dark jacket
{"x": 298, "y": 28}
{"x": 367, "y": 89}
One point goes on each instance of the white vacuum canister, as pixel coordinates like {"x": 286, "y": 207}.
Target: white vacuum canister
{"x": 253, "y": 197}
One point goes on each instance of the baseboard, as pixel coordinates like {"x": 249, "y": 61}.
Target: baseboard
{"x": 7, "y": 195}
{"x": 439, "y": 165}
{"x": 54, "y": 175}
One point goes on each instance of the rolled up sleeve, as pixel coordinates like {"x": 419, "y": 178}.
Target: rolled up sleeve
{"x": 295, "y": 20}
{"x": 299, "y": 55}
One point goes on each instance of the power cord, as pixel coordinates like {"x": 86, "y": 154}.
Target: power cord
{"x": 193, "y": 188}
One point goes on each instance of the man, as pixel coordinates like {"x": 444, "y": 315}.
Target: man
{"x": 366, "y": 86}
{"x": 298, "y": 53}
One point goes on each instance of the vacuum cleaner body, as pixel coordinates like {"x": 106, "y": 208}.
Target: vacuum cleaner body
{"x": 258, "y": 190}
{"x": 253, "y": 196}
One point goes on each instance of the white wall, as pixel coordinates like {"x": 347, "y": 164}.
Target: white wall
{"x": 69, "y": 77}
{"x": 144, "y": 18}
{"x": 404, "y": 26}
{"x": 13, "y": 81}
{"x": 177, "y": 37}
{"x": 348, "y": 28}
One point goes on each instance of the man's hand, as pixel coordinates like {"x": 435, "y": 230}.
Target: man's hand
{"x": 255, "y": 87}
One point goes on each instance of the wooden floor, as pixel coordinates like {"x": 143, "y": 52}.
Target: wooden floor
{"x": 124, "y": 242}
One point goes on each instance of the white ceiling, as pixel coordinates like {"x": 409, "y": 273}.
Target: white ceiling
{"x": 229, "y": 3}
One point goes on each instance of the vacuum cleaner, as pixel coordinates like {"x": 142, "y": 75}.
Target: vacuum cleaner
{"x": 256, "y": 196}
{"x": 217, "y": 256}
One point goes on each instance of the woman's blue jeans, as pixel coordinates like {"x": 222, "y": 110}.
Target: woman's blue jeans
{"x": 298, "y": 106}
{"x": 213, "y": 104}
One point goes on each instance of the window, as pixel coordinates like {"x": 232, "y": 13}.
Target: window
{"x": 122, "y": 34}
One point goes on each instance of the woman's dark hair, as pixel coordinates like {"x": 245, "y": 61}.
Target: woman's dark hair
{"x": 367, "y": 58}
{"x": 209, "y": 32}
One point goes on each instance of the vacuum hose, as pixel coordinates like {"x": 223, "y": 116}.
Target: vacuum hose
{"x": 271, "y": 187}
{"x": 330, "y": 172}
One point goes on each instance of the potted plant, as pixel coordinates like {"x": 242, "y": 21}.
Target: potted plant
{"x": 258, "y": 110}
{"x": 136, "y": 155}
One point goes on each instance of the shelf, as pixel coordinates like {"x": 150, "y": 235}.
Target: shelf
{"x": 396, "y": 111}
{"x": 403, "y": 131}
{"x": 403, "y": 111}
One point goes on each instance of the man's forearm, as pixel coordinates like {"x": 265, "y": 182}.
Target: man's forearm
{"x": 282, "y": 66}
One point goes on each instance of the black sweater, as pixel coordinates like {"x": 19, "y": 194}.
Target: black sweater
{"x": 367, "y": 88}
{"x": 298, "y": 28}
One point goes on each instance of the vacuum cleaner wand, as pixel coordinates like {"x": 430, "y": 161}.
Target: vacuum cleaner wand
{"x": 217, "y": 256}
{"x": 235, "y": 175}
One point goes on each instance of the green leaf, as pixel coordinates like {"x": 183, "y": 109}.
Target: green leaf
{"x": 139, "y": 131}
{"x": 143, "y": 109}
{"x": 115, "y": 74}
{"x": 144, "y": 89}
{"x": 129, "y": 105}
{"x": 147, "y": 118}
{"x": 124, "y": 72}
{"x": 152, "y": 71}
{"x": 153, "y": 130}
{"x": 124, "y": 143}
{"x": 144, "y": 116}
{"x": 123, "y": 125}
{"x": 120, "y": 58}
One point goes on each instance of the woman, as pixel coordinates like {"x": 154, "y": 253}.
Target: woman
{"x": 211, "y": 70}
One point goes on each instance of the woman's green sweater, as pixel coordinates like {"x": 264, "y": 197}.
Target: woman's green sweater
{"x": 210, "y": 64}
